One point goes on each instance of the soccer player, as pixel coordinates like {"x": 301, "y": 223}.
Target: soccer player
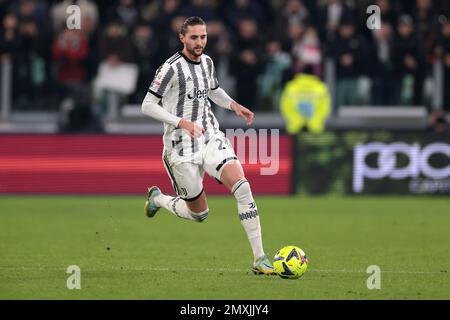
{"x": 178, "y": 96}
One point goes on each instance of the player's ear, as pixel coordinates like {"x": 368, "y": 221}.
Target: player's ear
{"x": 181, "y": 37}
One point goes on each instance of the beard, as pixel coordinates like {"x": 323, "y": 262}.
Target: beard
{"x": 195, "y": 54}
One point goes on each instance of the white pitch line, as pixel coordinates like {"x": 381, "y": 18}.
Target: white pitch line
{"x": 164, "y": 269}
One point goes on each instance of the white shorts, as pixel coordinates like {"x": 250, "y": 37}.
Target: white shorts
{"x": 187, "y": 176}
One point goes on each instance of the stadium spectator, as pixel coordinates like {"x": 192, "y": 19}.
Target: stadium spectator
{"x": 90, "y": 26}
{"x": 146, "y": 48}
{"x": 425, "y": 17}
{"x": 409, "y": 64}
{"x": 22, "y": 44}
{"x": 9, "y": 35}
{"x": 70, "y": 51}
{"x": 167, "y": 12}
{"x": 307, "y": 51}
{"x": 443, "y": 53}
{"x": 170, "y": 38}
{"x": 271, "y": 81}
{"x": 36, "y": 30}
{"x": 295, "y": 9}
{"x": 36, "y": 13}
{"x": 348, "y": 51}
{"x": 381, "y": 66}
{"x": 218, "y": 41}
{"x": 115, "y": 48}
{"x": 292, "y": 11}
{"x": 200, "y": 8}
{"x": 148, "y": 11}
{"x": 388, "y": 10}
{"x": 126, "y": 12}
{"x": 293, "y": 24}
{"x": 115, "y": 44}
{"x": 219, "y": 48}
{"x": 12, "y": 51}
{"x": 247, "y": 62}
{"x": 268, "y": 13}
{"x": 426, "y": 22}
{"x": 295, "y": 31}
{"x": 25, "y": 41}
{"x": 239, "y": 10}
{"x": 331, "y": 14}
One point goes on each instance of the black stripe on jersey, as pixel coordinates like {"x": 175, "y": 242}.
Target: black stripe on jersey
{"x": 165, "y": 81}
{"x": 211, "y": 120}
{"x": 215, "y": 87}
{"x": 212, "y": 74}
{"x": 182, "y": 90}
{"x": 155, "y": 93}
{"x": 195, "y": 103}
{"x": 181, "y": 97}
{"x": 206, "y": 103}
{"x": 209, "y": 63}
{"x": 215, "y": 80}
{"x": 174, "y": 58}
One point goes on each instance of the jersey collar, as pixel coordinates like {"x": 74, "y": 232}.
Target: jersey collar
{"x": 187, "y": 59}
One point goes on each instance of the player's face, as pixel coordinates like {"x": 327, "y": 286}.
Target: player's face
{"x": 195, "y": 40}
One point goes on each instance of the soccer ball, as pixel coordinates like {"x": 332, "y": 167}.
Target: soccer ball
{"x": 290, "y": 262}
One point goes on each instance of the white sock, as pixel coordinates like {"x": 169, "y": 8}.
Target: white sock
{"x": 248, "y": 214}
{"x": 178, "y": 207}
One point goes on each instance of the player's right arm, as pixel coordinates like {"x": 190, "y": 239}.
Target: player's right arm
{"x": 151, "y": 105}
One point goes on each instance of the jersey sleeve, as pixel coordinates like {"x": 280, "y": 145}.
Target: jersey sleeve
{"x": 162, "y": 81}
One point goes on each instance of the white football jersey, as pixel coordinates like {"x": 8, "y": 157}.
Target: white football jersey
{"x": 183, "y": 86}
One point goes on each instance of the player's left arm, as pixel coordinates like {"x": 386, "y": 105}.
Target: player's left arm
{"x": 222, "y": 99}
{"x": 243, "y": 112}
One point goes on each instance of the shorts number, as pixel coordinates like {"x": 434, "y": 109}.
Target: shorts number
{"x": 221, "y": 147}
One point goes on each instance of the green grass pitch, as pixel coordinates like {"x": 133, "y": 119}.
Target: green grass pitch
{"x": 124, "y": 255}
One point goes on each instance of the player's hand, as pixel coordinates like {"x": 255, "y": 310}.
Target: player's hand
{"x": 193, "y": 129}
{"x": 243, "y": 112}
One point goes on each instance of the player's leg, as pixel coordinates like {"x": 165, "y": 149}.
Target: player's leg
{"x": 190, "y": 202}
{"x": 232, "y": 176}
{"x": 195, "y": 210}
{"x": 221, "y": 162}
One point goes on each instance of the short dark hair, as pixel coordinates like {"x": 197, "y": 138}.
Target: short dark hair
{"x": 191, "y": 21}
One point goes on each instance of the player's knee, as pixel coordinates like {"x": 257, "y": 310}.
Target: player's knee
{"x": 231, "y": 172}
{"x": 200, "y": 216}
{"x": 199, "y": 204}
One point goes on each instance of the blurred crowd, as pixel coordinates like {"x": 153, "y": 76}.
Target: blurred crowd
{"x": 257, "y": 46}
